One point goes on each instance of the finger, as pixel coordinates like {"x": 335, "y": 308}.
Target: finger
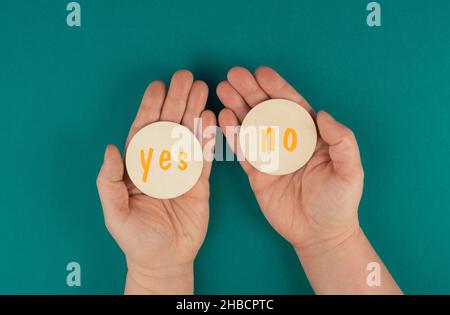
{"x": 111, "y": 187}
{"x": 150, "y": 107}
{"x": 277, "y": 87}
{"x": 229, "y": 123}
{"x": 344, "y": 151}
{"x": 195, "y": 104}
{"x": 231, "y": 99}
{"x": 246, "y": 85}
{"x": 175, "y": 103}
{"x": 209, "y": 123}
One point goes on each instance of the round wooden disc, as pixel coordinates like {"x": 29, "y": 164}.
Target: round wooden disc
{"x": 164, "y": 160}
{"x": 278, "y": 137}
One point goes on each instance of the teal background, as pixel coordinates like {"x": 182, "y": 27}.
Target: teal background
{"x": 67, "y": 92}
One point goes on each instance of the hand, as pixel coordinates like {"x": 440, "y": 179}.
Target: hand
{"x": 160, "y": 238}
{"x": 315, "y": 208}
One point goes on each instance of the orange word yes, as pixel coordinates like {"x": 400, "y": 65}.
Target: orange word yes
{"x": 165, "y": 161}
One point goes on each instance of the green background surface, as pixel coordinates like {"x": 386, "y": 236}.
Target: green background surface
{"x": 67, "y": 92}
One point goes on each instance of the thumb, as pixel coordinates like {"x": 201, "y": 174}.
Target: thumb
{"x": 343, "y": 148}
{"x": 111, "y": 187}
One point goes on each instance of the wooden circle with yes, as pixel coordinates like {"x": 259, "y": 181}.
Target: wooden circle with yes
{"x": 278, "y": 137}
{"x": 164, "y": 160}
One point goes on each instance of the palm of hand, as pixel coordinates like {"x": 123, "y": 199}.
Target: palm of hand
{"x": 173, "y": 228}
{"x": 308, "y": 203}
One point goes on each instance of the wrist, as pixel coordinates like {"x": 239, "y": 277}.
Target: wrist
{"x": 340, "y": 241}
{"x": 167, "y": 279}
{"x": 343, "y": 268}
